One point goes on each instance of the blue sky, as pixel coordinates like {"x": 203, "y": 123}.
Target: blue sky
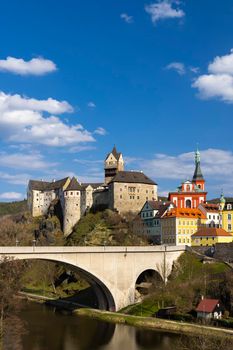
{"x": 153, "y": 77}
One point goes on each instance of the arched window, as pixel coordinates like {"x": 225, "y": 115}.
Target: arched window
{"x": 188, "y": 203}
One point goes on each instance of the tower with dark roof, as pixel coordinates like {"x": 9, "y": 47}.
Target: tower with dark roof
{"x": 72, "y": 206}
{"x": 113, "y": 164}
{"x": 198, "y": 179}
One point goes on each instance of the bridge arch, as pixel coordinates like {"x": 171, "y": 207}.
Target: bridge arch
{"x": 104, "y": 296}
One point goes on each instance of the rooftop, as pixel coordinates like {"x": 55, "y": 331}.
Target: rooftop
{"x": 207, "y": 305}
{"x": 210, "y": 207}
{"x": 185, "y": 213}
{"x": 132, "y": 177}
{"x": 211, "y": 232}
{"x": 47, "y": 186}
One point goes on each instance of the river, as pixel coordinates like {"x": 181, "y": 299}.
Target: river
{"x": 51, "y": 330}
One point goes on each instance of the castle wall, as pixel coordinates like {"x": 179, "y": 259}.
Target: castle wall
{"x": 71, "y": 211}
{"x": 39, "y": 201}
{"x": 125, "y": 197}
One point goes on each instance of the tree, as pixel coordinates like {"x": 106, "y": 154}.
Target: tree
{"x": 10, "y": 325}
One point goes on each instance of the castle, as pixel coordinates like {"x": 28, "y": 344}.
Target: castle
{"x": 122, "y": 191}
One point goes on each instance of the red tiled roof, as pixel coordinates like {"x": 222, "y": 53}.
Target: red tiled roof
{"x": 211, "y": 207}
{"x": 207, "y": 305}
{"x": 211, "y": 232}
{"x": 185, "y": 213}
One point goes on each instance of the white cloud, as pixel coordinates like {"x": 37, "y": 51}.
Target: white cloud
{"x": 80, "y": 148}
{"x": 126, "y": 18}
{"x": 100, "y": 131}
{"x": 177, "y": 66}
{"x": 222, "y": 64}
{"x": 91, "y": 104}
{"x": 15, "y": 179}
{"x": 164, "y": 10}
{"x": 36, "y": 66}
{"x": 22, "y": 121}
{"x": 11, "y": 195}
{"x": 194, "y": 69}
{"x": 24, "y": 161}
{"x": 219, "y": 82}
{"x": 215, "y": 163}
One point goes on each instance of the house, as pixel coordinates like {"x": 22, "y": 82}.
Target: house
{"x": 208, "y": 236}
{"x": 150, "y": 215}
{"x": 190, "y": 193}
{"x": 210, "y": 308}
{"x": 178, "y": 225}
{"x": 226, "y": 213}
{"x": 211, "y": 211}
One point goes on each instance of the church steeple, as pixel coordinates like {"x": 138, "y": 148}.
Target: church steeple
{"x": 197, "y": 173}
{"x": 198, "y": 178}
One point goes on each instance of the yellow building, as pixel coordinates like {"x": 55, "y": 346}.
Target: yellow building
{"x": 208, "y": 236}
{"x": 179, "y": 224}
{"x": 226, "y": 214}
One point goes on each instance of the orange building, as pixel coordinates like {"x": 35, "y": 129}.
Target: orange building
{"x": 178, "y": 225}
{"x": 191, "y": 193}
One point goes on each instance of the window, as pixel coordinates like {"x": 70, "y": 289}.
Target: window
{"x": 209, "y": 216}
{"x": 188, "y": 203}
{"x": 120, "y": 196}
{"x": 229, "y": 227}
{"x": 214, "y": 217}
{"x": 138, "y": 197}
{"x": 229, "y": 216}
{"x": 229, "y": 206}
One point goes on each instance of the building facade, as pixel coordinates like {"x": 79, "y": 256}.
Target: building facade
{"x": 190, "y": 193}
{"x": 226, "y": 213}
{"x": 150, "y": 215}
{"x": 211, "y": 211}
{"x": 178, "y": 225}
{"x": 209, "y": 236}
{"x": 129, "y": 190}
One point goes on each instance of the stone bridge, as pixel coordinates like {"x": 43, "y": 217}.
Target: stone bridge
{"x": 111, "y": 271}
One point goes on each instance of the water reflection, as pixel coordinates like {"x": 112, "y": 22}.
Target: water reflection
{"x": 50, "y": 330}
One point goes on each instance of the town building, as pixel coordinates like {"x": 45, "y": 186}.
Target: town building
{"x": 150, "y": 215}
{"x": 179, "y": 224}
{"x": 210, "y": 308}
{"x": 190, "y": 193}
{"x": 226, "y": 213}
{"x": 122, "y": 191}
{"x": 211, "y": 211}
{"x": 208, "y": 236}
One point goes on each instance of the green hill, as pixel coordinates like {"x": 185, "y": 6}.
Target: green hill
{"x": 12, "y": 208}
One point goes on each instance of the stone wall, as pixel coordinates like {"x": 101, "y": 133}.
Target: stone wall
{"x": 125, "y": 197}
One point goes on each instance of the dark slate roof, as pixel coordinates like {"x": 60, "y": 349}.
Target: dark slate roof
{"x": 94, "y": 185}
{"x": 132, "y": 177}
{"x": 74, "y": 185}
{"x": 197, "y": 173}
{"x": 115, "y": 153}
{"x": 47, "y": 186}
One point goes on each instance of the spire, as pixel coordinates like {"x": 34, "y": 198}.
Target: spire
{"x": 222, "y": 199}
{"x": 114, "y": 152}
{"x": 197, "y": 173}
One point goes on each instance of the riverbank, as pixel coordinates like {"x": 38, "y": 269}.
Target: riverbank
{"x": 151, "y": 323}
{"x": 154, "y": 323}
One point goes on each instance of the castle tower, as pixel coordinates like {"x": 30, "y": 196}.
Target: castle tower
{"x": 198, "y": 179}
{"x": 113, "y": 163}
{"x": 72, "y": 206}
